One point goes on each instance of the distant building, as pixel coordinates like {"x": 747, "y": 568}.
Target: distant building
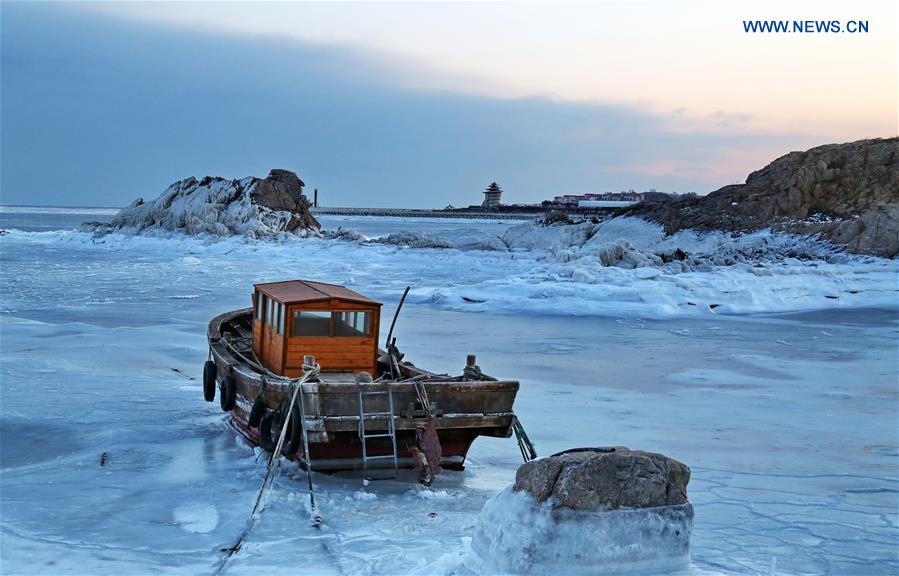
{"x": 604, "y": 203}
{"x": 492, "y": 196}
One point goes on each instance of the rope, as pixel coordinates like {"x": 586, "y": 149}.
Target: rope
{"x": 474, "y": 373}
{"x": 274, "y": 462}
{"x": 259, "y": 367}
{"x": 422, "y": 395}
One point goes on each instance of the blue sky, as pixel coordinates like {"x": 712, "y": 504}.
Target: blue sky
{"x": 100, "y": 107}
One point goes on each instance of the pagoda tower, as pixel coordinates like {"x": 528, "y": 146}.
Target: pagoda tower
{"x": 492, "y": 196}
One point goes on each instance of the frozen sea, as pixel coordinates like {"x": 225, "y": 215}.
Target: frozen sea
{"x": 786, "y": 413}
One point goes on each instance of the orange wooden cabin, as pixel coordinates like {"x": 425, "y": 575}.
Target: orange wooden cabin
{"x": 301, "y": 318}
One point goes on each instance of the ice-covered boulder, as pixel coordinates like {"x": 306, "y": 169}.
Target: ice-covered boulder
{"x": 417, "y": 239}
{"x": 254, "y": 207}
{"x": 346, "y": 234}
{"x": 588, "y": 511}
{"x": 534, "y": 235}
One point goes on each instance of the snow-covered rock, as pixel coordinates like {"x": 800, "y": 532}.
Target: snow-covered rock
{"x": 252, "y": 207}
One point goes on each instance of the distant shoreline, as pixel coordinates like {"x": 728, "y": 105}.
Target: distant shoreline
{"x": 337, "y": 211}
{"x": 421, "y": 213}
{"x": 31, "y": 209}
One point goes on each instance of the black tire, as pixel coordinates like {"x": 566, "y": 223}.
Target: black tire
{"x": 294, "y": 437}
{"x": 228, "y": 394}
{"x": 209, "y": 371}
{"x": 265, "y": 432}
{"x": 270, "y": 429}
{"x": 256, "y": 412}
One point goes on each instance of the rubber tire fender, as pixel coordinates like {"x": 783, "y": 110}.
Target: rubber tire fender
{"x": 228, "y": 393}
{"x": 209, "y": 373}
{"x": 294, "y": 437}
{"x": 256, "y": 412}
{"x": 272, "y": 423}
{"x": 265, "y": 432}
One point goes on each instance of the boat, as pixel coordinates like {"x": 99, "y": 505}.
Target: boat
{"x": 302, "y": 367}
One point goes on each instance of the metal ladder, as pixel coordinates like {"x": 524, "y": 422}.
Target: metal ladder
{"x": 391, "y": 429}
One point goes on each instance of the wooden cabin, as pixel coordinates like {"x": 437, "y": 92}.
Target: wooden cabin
{"x": 301, "y": 318}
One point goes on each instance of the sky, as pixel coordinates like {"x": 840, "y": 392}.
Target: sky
{"x": 424, "y": 104}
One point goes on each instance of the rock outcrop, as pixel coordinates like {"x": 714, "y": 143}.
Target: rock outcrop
{"x": 254, "y": 207}
{"x": 845, "y": 193}
{"x": 605, "y": 479}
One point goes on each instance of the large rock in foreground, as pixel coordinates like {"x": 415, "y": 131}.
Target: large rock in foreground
{"x": 846, "y": 193}
{"x": 588, "y": 511}
{"x": 605, "y": 479}
{"x": 254, "y": 207}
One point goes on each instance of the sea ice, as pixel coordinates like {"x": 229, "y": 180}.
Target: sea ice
{"x": 793, "y": 448}
{"x": 197, "y": 518}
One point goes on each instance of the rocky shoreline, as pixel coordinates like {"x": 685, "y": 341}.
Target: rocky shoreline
{"x": 847, "y": 194}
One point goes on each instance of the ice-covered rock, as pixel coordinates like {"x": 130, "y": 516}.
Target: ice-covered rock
{"x": 633, "y": 243}
{"x": 253, "y": 207}
{"x": 534, "y": 235}
{"x": 417, "y": 239}
{"x": 346, "y": 234}
{"x": 588, "y": 511}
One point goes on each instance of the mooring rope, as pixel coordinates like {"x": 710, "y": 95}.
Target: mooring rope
{"x": 274, "y": 462}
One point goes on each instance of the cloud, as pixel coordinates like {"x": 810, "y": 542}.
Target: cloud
{"x": 97, "y": 111}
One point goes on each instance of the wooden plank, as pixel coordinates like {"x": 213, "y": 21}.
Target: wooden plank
{"x": 296, "y": 361}
{"x": 328, "y": 356}
{"x": 335, "y": 305}
{"x": 295, "y": 372}
{"x": 329, "y": 341}
{"x": 335, "y": 349}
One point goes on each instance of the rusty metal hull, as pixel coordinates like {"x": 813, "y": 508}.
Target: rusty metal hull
{"x": 465, "y": 409}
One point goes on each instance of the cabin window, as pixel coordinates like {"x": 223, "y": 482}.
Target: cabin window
{"x": 354, "y": 323}
{"x": 270, "y": 313}
{"x": 311, "y": 323}
{"x": 260, "y": 307}
{"x": 280, "y": 319}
